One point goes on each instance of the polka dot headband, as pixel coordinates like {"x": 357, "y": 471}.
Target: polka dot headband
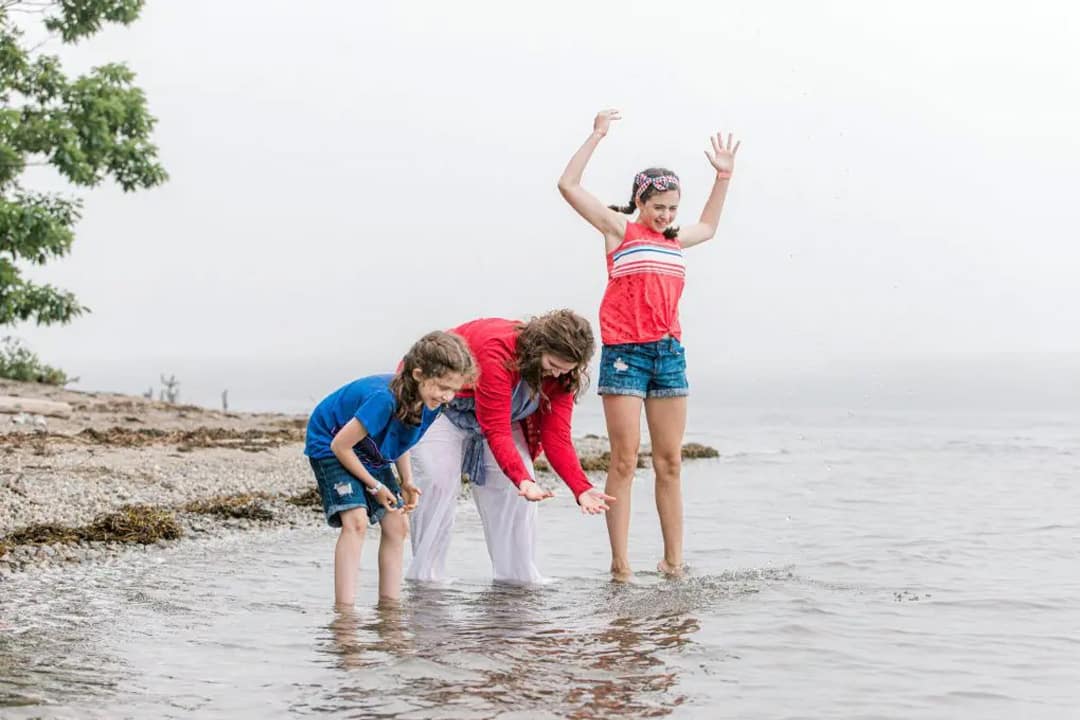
{"x": 661, "y": 182}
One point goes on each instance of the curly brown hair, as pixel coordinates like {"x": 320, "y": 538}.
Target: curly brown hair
{"x": 564, "y": 334}
{"x": 436, "y": 354}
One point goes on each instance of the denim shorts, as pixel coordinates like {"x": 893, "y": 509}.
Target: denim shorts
{"x": 644, "y": 370}
{"x": 341, "y": 491}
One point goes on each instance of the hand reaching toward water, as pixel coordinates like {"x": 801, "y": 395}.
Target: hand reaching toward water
{"x": 387, "y": 499}
{"x": 533, "y": 492}
{"x": 411, "y": 495}
{"x": 594, "y": 502}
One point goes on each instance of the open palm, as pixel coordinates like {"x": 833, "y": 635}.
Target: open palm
{"x": 722, "y": 157}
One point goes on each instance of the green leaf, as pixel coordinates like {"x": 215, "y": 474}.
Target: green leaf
{"x": 92, "y": 128}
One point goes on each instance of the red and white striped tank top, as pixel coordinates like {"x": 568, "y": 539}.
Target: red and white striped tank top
{"x": 646, "y": 275}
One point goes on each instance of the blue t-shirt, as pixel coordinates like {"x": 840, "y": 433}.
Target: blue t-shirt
{"x": 370, "y": 401}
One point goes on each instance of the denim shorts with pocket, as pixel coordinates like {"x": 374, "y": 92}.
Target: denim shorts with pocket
{"x": 341, "y": 491}
{"x": 645, "y": 370}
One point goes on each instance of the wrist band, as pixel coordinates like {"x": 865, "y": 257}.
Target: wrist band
{"x": 723, "y": 176}
{"x": 374, "y": 490}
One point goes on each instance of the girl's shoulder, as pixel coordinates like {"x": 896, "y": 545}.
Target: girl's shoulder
{"x": 373, "y": 390}
{"x": 371, "y": 385}
{"x": 493, "y": 336}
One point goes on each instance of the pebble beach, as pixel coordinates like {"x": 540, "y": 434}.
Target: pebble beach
{"x": 113, "y": 474}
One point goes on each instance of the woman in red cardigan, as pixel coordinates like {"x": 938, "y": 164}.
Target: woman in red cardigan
{"x": 530, "y": 375}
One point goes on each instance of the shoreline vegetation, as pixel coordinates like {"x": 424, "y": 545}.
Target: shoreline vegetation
{"x": 87, "y": 475}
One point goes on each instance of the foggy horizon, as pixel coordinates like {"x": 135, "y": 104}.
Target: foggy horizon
{"x": 346, "y": 178}
{"x": 959, "y": 382}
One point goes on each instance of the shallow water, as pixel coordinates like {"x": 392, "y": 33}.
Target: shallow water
{"x": 842, "y": 566}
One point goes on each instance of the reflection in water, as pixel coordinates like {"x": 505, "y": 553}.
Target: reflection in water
{"x": 103, "y": 641}
{"x": 528, "y": 649}
{"x": 387, "y": 627}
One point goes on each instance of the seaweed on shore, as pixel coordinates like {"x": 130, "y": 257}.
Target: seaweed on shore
{"x": 254, "y": 440}
{"x": 602, "y": 462}
{"x": 694, "y": 451}
{"x": 142, "y": 524}
{"x": 308, "y": 498}
{"x": 598, "y": 463}
{"x": 187, "y": 440}
{"x": 44, "y": 534}
{"x": 248, "y": 506}
{"x": 589, "y": 463}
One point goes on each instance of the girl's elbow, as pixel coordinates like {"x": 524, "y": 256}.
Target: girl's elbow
{"x": 707, "y": 234}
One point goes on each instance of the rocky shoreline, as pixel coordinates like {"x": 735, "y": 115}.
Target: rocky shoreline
{"x": 108, "y": 473}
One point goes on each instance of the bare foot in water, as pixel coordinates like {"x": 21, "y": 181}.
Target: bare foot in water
{"x": 671, "y": 571}
{"x": 622, "y": 575}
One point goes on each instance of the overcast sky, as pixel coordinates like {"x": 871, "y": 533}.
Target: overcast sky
{"x": 347, "y": 176}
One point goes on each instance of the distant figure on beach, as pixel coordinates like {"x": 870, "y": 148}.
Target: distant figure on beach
{"x": 531, "y": 373}
{"x": 354, "y": 435}
{"x": 642, "y": 360}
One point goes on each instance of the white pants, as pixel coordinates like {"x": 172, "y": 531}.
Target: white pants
{"x": 509, "y": 519}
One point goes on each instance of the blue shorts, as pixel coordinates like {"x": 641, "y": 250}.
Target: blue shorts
{"x": 644, "y": 370}
{"x": 341, "y": 491}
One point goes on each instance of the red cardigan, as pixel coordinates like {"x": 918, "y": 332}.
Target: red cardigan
{"x": 493, "y": 342}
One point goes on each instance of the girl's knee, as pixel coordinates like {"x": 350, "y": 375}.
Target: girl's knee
{"x": 354, "y": 520}
{"x": 622, "y": 465}
{"x": 667, "y": 466}
{"x": 395, "y": 527}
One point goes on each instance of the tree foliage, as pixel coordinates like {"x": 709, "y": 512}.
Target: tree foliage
{"x": 91, "y": 127}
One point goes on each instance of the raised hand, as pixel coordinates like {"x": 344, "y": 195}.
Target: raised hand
{"x": 722, "y": 157}
{"x": 602, "y": 123}
{"x": 594, "y": 502}
{"x": 533, "y": 492}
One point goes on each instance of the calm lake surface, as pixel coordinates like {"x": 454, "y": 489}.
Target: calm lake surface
{"x": 886, "y": 566}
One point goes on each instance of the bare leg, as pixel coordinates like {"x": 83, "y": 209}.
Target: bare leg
{"x": 667, "y": 425}
{"x": 395, "y": 526}
{"x": 623, "y": 415}
{"x": 347, "y": 555}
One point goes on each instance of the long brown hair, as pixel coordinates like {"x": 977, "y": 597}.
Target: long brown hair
{"x": 564, "y": 334}
{"x": 436, "y": 354}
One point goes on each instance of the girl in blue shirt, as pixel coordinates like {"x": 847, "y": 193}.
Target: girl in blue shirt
{"x": 355, "y": 434}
